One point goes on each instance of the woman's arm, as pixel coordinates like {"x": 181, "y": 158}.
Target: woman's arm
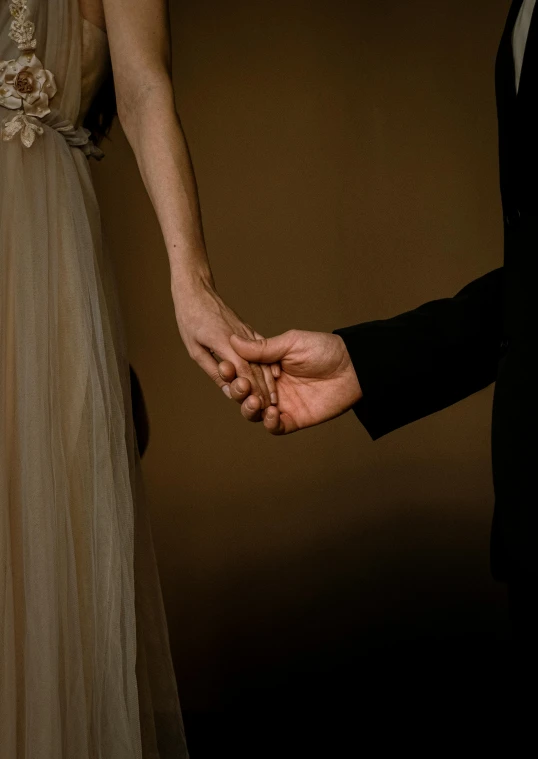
{"x": 139, "y": 37}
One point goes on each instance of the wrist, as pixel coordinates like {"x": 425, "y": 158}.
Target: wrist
{"x": 191, "y": 281}
{"x": 354, "y": 390}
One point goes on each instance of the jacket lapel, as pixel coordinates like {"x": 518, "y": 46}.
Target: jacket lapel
{"x": 530, "y": 58}
{"x": 505, "y": 69}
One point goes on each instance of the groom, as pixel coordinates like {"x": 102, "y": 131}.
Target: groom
{"x": 395, "y": 371}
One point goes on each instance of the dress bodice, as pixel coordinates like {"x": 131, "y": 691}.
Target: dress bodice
{"x": 95, "y": 64}
{"x": 49, "y": 91}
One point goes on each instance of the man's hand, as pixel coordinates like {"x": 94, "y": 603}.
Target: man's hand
{"x": 317, "y": 383}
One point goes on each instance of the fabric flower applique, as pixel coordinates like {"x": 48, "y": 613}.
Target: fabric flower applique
{"x": 25, "y": 86}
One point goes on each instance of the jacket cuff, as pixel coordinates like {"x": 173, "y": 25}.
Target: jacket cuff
{"x": 365, "y": 359}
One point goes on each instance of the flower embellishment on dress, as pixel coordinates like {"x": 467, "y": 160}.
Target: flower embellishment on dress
{"x": 25, "y": 86}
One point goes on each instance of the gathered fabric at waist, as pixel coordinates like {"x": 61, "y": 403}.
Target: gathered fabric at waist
{"x": 11, "y": 124}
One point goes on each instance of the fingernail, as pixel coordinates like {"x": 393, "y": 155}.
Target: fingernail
{"x": 251, "y": 404}
{"x": 274, "y": 399}
{"x": 227, "y": 392}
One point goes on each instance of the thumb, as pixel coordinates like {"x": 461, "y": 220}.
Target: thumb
{"x": 262, "y": 351}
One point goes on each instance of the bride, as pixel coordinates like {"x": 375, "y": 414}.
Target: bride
{"x": 85, "y": 665}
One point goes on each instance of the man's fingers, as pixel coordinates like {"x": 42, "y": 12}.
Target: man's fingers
{"x": 275, "y": 370}
{"x": 262, "y": 351}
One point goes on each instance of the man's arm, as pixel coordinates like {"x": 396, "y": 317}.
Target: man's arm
{"x": 419, "y": 362}
{"x": 390, "y": 372}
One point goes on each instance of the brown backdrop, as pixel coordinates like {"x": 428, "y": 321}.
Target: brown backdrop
{"x": 346, "y": 155}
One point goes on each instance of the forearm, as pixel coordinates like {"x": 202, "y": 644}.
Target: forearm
{"x": 140, "y": 49}
{"x": 155, "y": 134}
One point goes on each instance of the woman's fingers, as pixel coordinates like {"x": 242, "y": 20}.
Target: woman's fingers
{"x": 261, "y": 379}
{"x": 262, "y": 382}
{"x": 272, "y": 421}
{"x": 271, "y": 384}
{"x": 240, "y": 389}
{"x": 278, "y": 422}
{"x": 227, "y": 371}
{"x": 205, "y": 361}
{"x": 252, "y": 409}
{"x": 241, "y": 385}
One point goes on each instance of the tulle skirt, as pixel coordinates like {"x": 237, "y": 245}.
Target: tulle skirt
{"x": 85, "y": 665}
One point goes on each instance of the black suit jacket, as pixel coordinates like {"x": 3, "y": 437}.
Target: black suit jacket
{"x": 427, "y": 359}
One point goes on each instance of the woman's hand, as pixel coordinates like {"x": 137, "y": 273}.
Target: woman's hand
{"x": 139, "y": 39}
{"x": 206, "y": 324}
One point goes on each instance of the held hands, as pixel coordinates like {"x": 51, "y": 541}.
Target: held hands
{"x": 290, "y": 382}
{"x": 317, "y": 381}
{"x": 206, "y": 324}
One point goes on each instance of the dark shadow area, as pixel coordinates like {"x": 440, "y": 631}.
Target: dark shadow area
{"x": 399, "y": 696}
{"x": 329, "y": 654}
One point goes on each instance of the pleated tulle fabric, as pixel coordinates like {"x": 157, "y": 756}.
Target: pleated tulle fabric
{"x": 85, "y": 665}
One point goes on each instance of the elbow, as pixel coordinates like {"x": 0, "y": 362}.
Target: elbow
{"x": 149, "y": 95}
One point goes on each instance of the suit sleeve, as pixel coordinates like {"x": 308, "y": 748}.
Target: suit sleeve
{"x": 424, "y": 360}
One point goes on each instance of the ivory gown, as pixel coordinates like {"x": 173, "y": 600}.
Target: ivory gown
{"x": 85, "y": 665}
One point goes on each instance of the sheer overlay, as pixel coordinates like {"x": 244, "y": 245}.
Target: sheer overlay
{"x": 85, "y": 665}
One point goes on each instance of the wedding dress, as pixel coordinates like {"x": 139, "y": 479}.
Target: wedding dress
{"x": 85, "y": 664}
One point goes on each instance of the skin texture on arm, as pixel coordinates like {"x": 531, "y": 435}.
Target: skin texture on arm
{"x": 139, "y": 39}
